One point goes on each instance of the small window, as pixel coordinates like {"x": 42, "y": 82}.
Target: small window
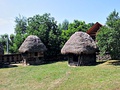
{"x": 8, "y": 58}
{"x": 75, "y": 58}
{"x": 2, "y": 57}
{"x": 36, "y": 53}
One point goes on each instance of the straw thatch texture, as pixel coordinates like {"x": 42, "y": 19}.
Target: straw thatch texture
{"x": 79, "y": 42}
{"x": 32, "y": 44}
{"x": 1, "y": 49}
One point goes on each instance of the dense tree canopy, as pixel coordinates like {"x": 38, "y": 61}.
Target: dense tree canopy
{"x": 65, "y": 25}
{"x": 108, "y": 36}
{"x": 46, "y": 28}
{"x": 5, "y": 40}
{"x": 55, "y": 35}
{"x": 72, "y": 28}
{"x": 20, "y": 33}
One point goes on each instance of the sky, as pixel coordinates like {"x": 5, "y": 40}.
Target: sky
{"x": 90, "y": 11}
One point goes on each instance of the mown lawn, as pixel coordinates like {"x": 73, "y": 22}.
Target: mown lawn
{"x": 59, "y": 76}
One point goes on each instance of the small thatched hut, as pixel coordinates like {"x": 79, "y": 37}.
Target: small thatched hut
{"x": 32, "y": 50}
{"x": 1, "y": 49}
{"x": 81, "y": 49}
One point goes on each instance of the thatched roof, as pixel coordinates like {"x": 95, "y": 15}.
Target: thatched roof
{"x": 32, "y": 44}
{"x": 79, "y": 42}
{"x": 1, "y": 49}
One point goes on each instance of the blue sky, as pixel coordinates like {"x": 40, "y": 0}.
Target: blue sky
{"x": 84, "y": 10}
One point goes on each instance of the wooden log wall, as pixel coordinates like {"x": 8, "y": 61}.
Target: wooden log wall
{"x": 10, "y": 58}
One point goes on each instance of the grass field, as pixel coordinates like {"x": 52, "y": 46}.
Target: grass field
{"x": 59, "y": 76}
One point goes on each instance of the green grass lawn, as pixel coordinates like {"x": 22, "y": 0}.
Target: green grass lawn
{"x": 59, "y": 76}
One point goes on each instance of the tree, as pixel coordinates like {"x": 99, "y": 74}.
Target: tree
{"x": 16, "y": 40}
{"x": 79, "y": 26}
{"x": 21, "y": 25}
{"x": 11, "y": 42}
{"x": 46, "y": 28}
{"x": 20, "y": 33}
{"x": 108, "y": 36}
{"x": 112, "y": 19}
{"x": 72, "y": 28}
{"x": 4, "y": 39}
{"x": 65, "y": 25}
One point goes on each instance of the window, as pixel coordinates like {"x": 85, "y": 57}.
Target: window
{"x": 36, "y": 53}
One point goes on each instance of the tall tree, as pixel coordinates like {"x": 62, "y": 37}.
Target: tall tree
{"x": 11, "y": 43}
{"x": 20, "y": 32}
{"x": 65, "y": 25}
{"x": 112, "y": 19}
{"x": 108, "y": 36}
{"x": 4, "y": 39}
{"x": 45, "y": 27}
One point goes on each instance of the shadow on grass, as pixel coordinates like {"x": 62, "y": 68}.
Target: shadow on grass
{"x": 100, "y": 62}
{"x": 7, "y": 66}
{"x": 114, "y": 62}
{"x": 94, "y": 64}
{"x": 48, "y": 62}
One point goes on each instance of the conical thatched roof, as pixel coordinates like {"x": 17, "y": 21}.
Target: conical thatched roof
{"x": 79, "y": 42}
{"x": 1, "y": 49}
{"x": 32, "y": 44}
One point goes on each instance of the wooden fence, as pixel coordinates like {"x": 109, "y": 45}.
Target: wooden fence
{"x": 10, "y": 58}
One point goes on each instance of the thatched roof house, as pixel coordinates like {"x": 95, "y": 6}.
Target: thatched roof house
{"x": 32, "y": 48}
{"x": 81, "y": 48}
{"x": 1, "y": 49}
{"x": 32, "y": 44}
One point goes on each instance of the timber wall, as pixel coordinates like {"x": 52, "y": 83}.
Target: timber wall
{"x": 10, "y": 58}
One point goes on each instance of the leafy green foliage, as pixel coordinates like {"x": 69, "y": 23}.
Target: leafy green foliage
{"x": 104, "y": 39}
{"x": 112, "y": 19}
{"x": 108, "y": 36}
{"x": 15, "y": 40}
{"x": 20, "y": 34}
{"x": 65, "y": 25}
{"x": 72, "y": 28}
{"x": 46, "y": 28}
{"x": 4, "y": 39}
